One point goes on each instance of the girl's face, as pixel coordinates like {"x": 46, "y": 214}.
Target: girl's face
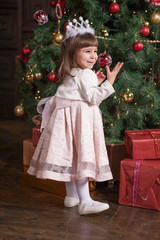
{"x": 86, "y": 57}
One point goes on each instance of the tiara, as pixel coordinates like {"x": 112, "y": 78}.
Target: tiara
{"x": 73, "y": 28}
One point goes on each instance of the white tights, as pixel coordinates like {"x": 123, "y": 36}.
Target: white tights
{"x": 79, "y": 189}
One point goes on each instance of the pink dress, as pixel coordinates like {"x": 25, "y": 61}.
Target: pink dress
{"x": 72, "y": 145}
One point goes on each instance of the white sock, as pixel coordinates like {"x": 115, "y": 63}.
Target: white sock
{"x": 71, "y": 189}
{"x": 83, "y": 192}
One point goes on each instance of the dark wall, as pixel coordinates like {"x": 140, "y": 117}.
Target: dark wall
{"x": 16, "y": 25}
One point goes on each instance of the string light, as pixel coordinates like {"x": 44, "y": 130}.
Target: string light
{"x": 37, "y": 95}
{"x": 112, "y": 39}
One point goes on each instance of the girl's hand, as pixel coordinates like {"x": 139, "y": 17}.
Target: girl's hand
{"x": 111, "y": 75}
{"x": 100, "y": 76}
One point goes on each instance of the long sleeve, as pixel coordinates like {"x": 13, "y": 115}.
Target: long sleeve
{"x": 88, "y": 85}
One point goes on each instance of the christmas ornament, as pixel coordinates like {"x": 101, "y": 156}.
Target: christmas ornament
{"x": 105, "y": 33}
{"x": 25, "y": 51}
{"x": 40, "y": 17}
{"x": 144, "y": 31}
{"x": 59, "y": 8}
{"x": 29, "y": 77}
{"x": 51, "y": 76}
{"x": 25, "y": 59}
{"x": 128, "y": 96}
{"x": 146, "y": 24}
{"x": 137, "y": 46}
{"x": 65, "y": 25}
{"x": 17, "y": 59}
{"x": 52, "y": 3}
{"x": 104, "y": 60}
{"x": 38, "y": 76}
{"x": 37, "y": 119}
{"x": 155, "y": 18}
{"x": 19, "y": 110}
{"x": 114, "y": 7}
{"x": 58, "y": 37}
{"x": 155, "y": 2}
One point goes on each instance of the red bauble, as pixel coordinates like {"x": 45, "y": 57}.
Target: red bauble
{"x": 52, "y": 3}
{"x": 17, "y": 59}
{"x": 155, "y": 2}
{"x": 137, "y": 46}
{"x": 51, "y": 77}
{"x": 65, "y": 25}
{"x": 25, "y": 58}
{"x": 114, "y": 8}
{"x": 144, "y": 31}
{"x": 40, "y": 17}
{"x": 104, "y": 60}
{"x": 25, "y": 51}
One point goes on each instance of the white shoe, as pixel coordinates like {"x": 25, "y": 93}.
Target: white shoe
{"x": 94, "y": 208}
{"x": 71, "y": 201}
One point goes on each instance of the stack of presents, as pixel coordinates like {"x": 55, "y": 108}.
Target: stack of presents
{"x": 139, "y": 174}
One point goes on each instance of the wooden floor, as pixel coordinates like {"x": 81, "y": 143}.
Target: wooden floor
{"x": 29, "y": 214}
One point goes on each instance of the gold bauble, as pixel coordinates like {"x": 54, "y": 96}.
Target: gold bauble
{"x": 29, "y": 77}
{"x": 128, "y": 96}
{"x": 19, "y": 110}
{"x": 38, "y": 76}
{"x": 146, "y": 24}
{"x": 105, "y": 33}
{"x": 155, "y": 18}
{"x": 58, "y": 37}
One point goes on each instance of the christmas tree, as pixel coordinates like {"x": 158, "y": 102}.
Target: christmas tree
{"x": 128, "y": 31}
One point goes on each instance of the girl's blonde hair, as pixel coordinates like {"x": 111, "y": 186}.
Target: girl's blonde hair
{"x": 69, "y": 48}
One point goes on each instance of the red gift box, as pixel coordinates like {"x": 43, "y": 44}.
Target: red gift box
{"x": 143, "y": 144}
{"x": 36, "y": 133}
{"x": 140, "y": 184}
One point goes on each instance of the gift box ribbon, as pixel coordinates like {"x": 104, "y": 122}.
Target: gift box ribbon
{"x": 136, "y": 182}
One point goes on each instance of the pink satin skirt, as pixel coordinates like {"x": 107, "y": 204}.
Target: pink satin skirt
{"x": 72, "y": 145}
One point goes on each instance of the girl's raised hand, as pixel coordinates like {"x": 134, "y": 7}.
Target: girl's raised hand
{"x": 111, "y": 75}
{"x": 100, "y": 76}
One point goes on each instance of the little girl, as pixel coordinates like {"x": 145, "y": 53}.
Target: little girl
{"x": 72, "y": 146}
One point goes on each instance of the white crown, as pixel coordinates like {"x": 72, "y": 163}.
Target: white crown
{"x": 73, "y": 28}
